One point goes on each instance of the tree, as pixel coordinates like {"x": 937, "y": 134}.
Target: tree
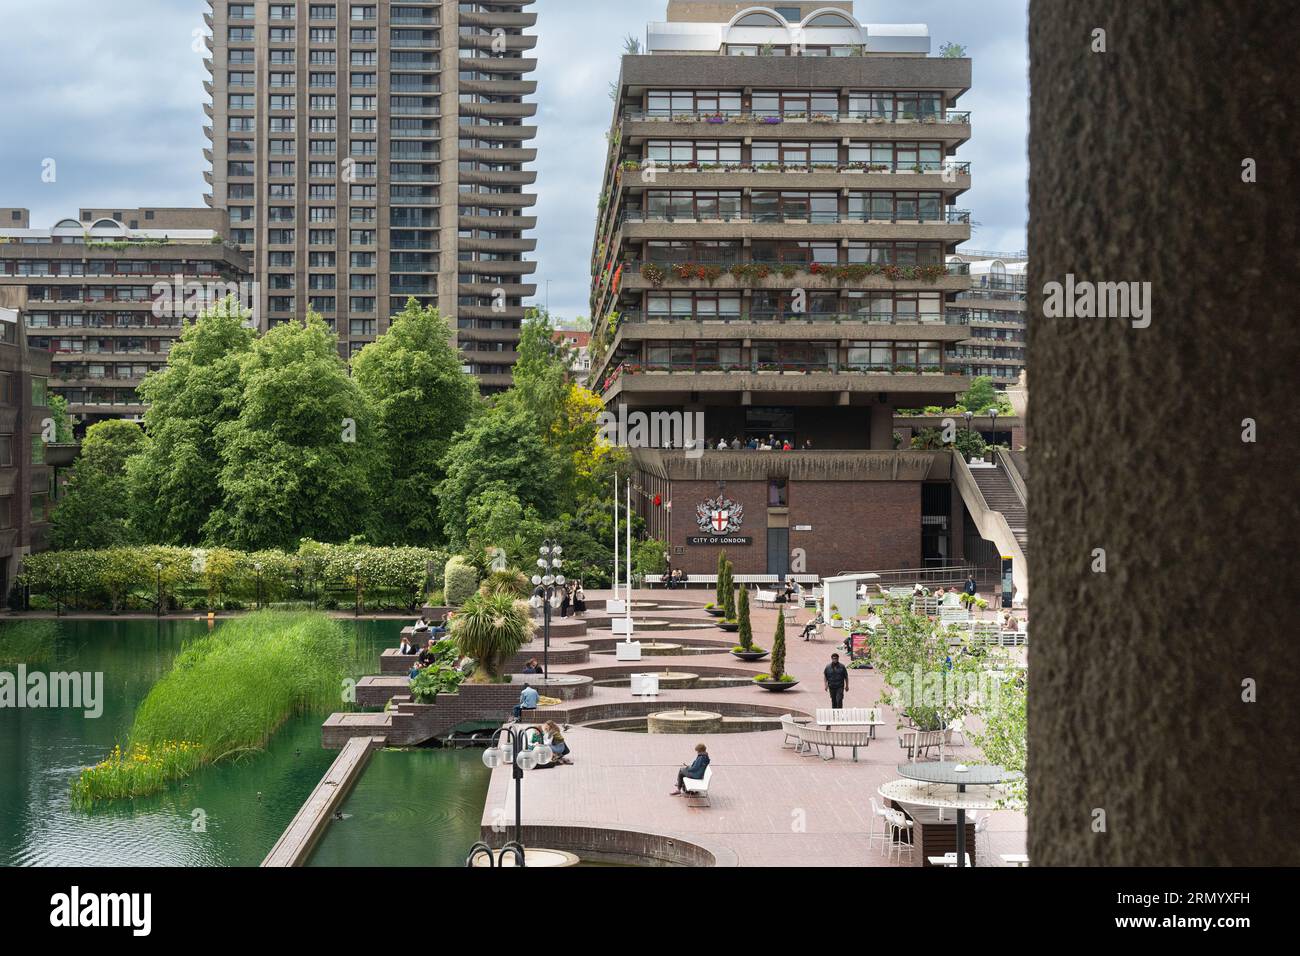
{"x": 1004, "y": 739}
{"x": 412, "y": 380}
{"x": 501, "y": 449}
{"x": 62, "y": 420}
{"x": 174, "y": 479}
{"x": 778, "y": 652}
{"x": 490, "y": 628}
{"x": 746, "y": 630}
{"x": 720, "y": 589}
{"x": 298, "y": 460}
{"x": 983, "y": 396}
{"x": 95, "y": 510}
{"x": 969, "y": 443}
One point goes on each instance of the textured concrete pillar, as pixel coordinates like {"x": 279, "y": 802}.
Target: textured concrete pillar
{"x": 882, "y": 428}
{"x": 1136, "y": 706}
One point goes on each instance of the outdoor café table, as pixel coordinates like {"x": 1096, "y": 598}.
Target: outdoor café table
{"x": 947, "y": 774}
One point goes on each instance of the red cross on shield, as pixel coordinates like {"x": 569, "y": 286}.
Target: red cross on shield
{"x": 720, "y": 521}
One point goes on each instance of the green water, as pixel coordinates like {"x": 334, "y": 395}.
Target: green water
{"x": 244, "y": 805}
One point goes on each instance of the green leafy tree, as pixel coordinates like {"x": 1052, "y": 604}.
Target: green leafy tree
{"x": 175, "y": 479}
{"x": 412, "y": 379}
{"x": 984, "y": 396}
{"x": 298, "y": 460}
{"x": 62, "y": 420}
{"x": 969, "y": 443}
{"x": 95, "y": 510}
{"x": 503, "y": 450}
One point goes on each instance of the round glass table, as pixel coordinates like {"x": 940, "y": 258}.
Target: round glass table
{"x": 925, "y": 777}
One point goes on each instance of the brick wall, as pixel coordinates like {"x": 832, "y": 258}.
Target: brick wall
{"x": 857, "y": 525}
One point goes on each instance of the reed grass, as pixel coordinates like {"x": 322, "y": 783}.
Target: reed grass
{"x": 227, "y": 693}
{"x": 28, "y": 642}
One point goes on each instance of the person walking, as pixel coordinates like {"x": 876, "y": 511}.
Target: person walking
{"x": 837, "y": 681}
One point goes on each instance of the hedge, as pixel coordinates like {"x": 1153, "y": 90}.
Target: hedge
{"x": 221, "y": 578}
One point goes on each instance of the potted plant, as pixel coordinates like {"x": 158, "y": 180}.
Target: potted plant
{"x": 745, "y": 650}
{"x": 435, "y": 680}
{"x": 777, "y": 680}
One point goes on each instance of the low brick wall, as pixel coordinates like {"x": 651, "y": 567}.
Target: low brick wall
{"x": 619, "y": 846}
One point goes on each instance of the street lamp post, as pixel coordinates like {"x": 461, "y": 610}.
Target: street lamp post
{"x": 993, "y": 413}
{"x": 548, "y": 588}
{"x": 521, "y": 757}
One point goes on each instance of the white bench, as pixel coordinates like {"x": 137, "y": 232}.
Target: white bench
{"x": 953, "y": 615}
{"x": 791, "y": 726}
{"x": 900, "y": 594}
{"x": 765, "y": 598}
{"x": 948, "y": 860}
{"x": 919, "y": 743}
{"x": 813, "y": 739}
{"x": 1015, "y": 859}
{"x": 699, "y": 789}
{"x": 850, "y": 717}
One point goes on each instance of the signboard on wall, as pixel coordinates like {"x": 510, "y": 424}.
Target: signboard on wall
{"x": 719, "y": 519}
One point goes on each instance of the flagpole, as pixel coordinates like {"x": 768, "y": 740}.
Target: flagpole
{"x": 629, "y": 557}
{"x": 615, "y": 536}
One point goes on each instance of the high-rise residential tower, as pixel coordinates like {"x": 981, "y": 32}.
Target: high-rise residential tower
{"x": 996, "y": 311}
{"x": 770, "y": 265}
{"x": 371, "y": 152}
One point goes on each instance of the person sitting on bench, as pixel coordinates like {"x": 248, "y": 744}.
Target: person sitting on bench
{"x": 406, "y": 647}
{"x": 528, "y": 699}
{"x": 810, "y": 628}
{"x": 694, "y": 772}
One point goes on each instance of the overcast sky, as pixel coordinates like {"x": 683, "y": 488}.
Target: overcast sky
{"x": 112, "y": 92}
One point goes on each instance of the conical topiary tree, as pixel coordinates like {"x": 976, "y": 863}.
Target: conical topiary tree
{"x": 720, "y": 590}
{"x": 729, "y": 607}
{"x": 746, "y": 632}
{"x": 778, "y": 651}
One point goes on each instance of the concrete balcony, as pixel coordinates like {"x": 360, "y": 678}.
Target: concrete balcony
{"x": 633, "y": 281}
{"x": 520, "y": 290}
{"x": 498, "y": 110}
{"x": 638, "y": 126}
{"x": 797, "y": 177}
{"x": 794, "y": 465}
{"x": 512, "y": 223}
{"x": 493, "y": 43}
{"x": 498, "y": 245}
{"x": 785, "y": 388}
{"x": 506, "y": 155}
{"x": 504, "y": 65}
{"x": 635, "y": 327}
{"x": 790, "y": 229}
{"x": 500, "y": 87}
{"x": 495, "y": 178}
{"x": 521, "y": 21}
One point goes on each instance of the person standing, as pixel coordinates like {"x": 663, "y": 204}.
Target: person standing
{"x": 971, "y": 587}
{"x": 837, "y": 681}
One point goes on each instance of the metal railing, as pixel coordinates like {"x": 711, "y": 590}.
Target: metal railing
{"x": 777, "y": 117}
{"x": 962, "y": 168}
{"x": 948, "y": 217}
{"x": 805, "y": 318}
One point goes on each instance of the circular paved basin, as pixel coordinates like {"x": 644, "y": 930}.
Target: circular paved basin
{"x": 535, "y": 858}
{"x": 659, "y": 649}
{"x": 684, "y": 722}
{"x": 668, "y": 680}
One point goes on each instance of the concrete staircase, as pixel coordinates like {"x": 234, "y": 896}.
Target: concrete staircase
{"x": 1000, "y": 495}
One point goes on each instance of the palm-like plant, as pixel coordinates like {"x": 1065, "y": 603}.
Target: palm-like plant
{"x": 490, "y": 628}
{"x": 511, "y": 581}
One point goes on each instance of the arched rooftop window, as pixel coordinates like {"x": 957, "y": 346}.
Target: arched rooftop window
{"x": 758, "y": 19}
{"x": 830, "y": 20}
{"x": 69, "y": 224}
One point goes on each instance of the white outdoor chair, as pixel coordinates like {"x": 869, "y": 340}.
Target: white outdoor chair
{"x": 698, "y": 789}
{"x": 900, "y": 827}
{"x": 948, "y": 860}
{"x": 879, "y": 826}
{"x": 957, "y": 728}
{"x": 982, "y": 836}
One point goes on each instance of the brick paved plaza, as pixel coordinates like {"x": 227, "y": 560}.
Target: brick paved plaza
{"x": 769, "y": 806}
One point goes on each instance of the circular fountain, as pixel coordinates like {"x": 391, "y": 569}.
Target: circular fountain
{"x": 684, "y": 722}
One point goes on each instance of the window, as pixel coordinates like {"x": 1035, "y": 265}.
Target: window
{"x": 6, "y": 451}
{"x": 762, "y": 20}
{"x": 40, "y": 391}
{"x": 778, "y": 493}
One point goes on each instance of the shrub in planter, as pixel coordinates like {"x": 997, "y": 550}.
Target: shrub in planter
{"x": 653, "y": 273}
{"x": 461, "y": 581}
{"x": 441, "y": 678}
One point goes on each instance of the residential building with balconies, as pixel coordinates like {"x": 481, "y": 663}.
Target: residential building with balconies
{"x": 781, "y": 198}
{"x": 108, "y": 293}
{"x": 373, "y": 152}
{"x": 26, "y": 484}
{"x": 994, "y": 307}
